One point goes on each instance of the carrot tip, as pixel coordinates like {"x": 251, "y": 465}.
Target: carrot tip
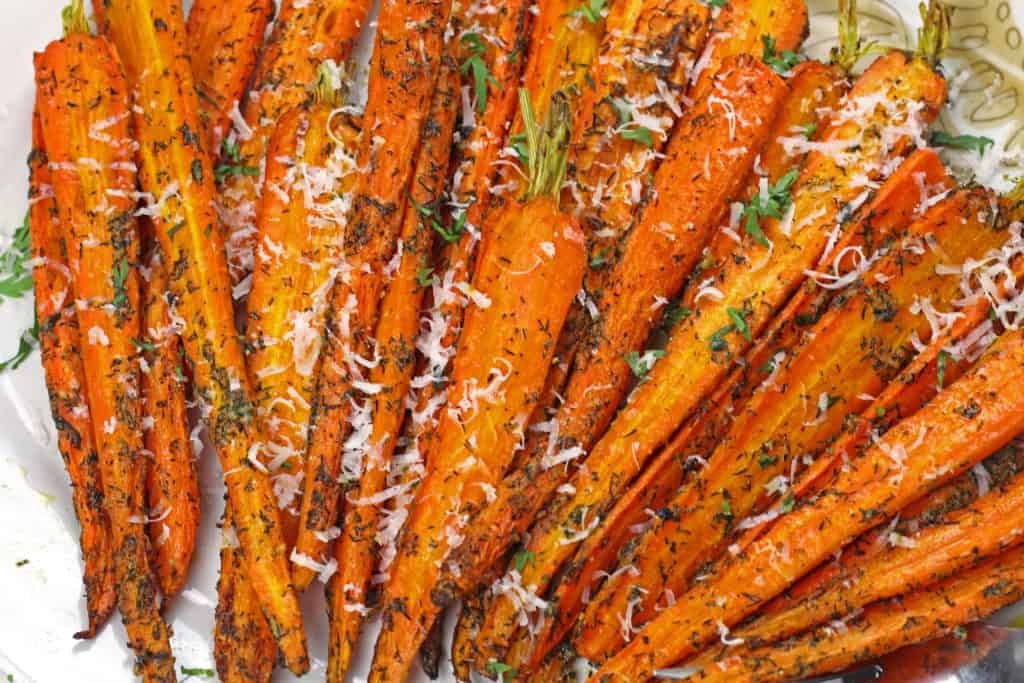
{"x": 933, "y": 36}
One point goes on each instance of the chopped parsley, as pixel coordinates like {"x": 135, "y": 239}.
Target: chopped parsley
{"x": 717, "y": 342}
{"x": 425, "y": 275}
{"x": 968, "y": 142}
{"x": 502, "y": 671}
{"x": 641, "y": 363}
{"x": 941, "y": 364}
{"x": 774, "y": 205}
{"x": 28, "y": 342}
{"x": 21, "y": 563}
{"x": 15, "y": 264}
{"x": 233, "y": 164}
{"x": 788, "y": 502}
{"x": 639, "y": 134}
{"x": 810, "y": 129}
{"x": 477, "y": 68}
{"x": 449, "y": 235}
{"x": 521, "y": 148}
{"x": 119, "y": 278}
{"x": 591, "y": 10}
{"x": 781, "y": 63}
{"x": 192, "y": 673}
{"x": 739, "y": 321}
{"x": 523, "y": 558}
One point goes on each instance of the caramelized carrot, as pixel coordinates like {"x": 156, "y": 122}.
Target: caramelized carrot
{"x": 83, "y": 109}
{"x": 305, "y": 35}
{"x": 598, "y": 382}
{"x": 172, "y": 483}
{"x": 60, "y": 344}
{"x": 661, "y": 248}
{"x": 522, "y": 291}
{"x": 175, "y": 170}
{"x": 884, "y": 626}
{"x": 396, "y": 339}
{"x": 851, "y": 353}
{"x": 961, "y": 425}
{"x": 224, "y": 40}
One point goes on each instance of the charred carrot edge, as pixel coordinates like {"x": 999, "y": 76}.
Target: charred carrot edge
{"x": 396, "y": 335}
{"x": 984, "y": 529}
{"x": 224, "y": 40}
{"x": 527, "y": 278}
{"x": 82, "y": 91}
{"x": 175, "y": 170}
{"x": 172, "y": 486}
{"x": 851, "y": 354}
{"x": 875, "y": 487}
{"x": 884, "y": 626}
{"x": 660, "y": 249}
{"x": 243, "y": 644}
{"x": 305, "y": 35}
{"x": 60, "y": 345}
{"x": 466, "y": 628}
{"x": 590, "y": 398}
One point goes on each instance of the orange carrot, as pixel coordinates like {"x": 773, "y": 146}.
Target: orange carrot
{"x": 850, "y": 354}
{"x": 396, "y": 338}
{"x": 961, "y": 425}
{"x": 906, "y": 563}
{"x": 224, "y": 40}
{"x": 174, "y": 169}
{"x": 660, "y": 250}
{"x": 598, "y": 382}
{"x": 665, "y": 243}
{"x": 305, "y": 35}
{"x": 884, "y": 626}
{"x": 524, "y": 285}
{"x": 83, "y": 109}
{"x": 60, "y": 345}
{"x": 172, "y": 483}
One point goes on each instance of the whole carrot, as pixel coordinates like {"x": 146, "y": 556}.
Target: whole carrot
{"x": 60, "y": 344}
{"x": 396, "y": 335}
{"x": 523, "y": 288}
{"x": 851, "y": 353}
{"x": 407, "y": 60}
{"x": 172, "y": 483}
{"x": 224, "y": 40}
{"x": 883, "y": 627}
{"x": 82, "y": 92}
{"x": 305, "y": 35}
{"x": 662, "y": 246}
{"x": 178, "y": 173}
{"x": 599, "y": 379}
{"x": 939, "y": 442}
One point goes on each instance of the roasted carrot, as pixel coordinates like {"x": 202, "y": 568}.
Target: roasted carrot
{"x": 851, "y": 353}
{"x": 466, "y": 628}
{"x": 396, "y": 335}
{"x": 305, "y": 35}
{"x": 598, "y": 382}
{"x": 175, "y": 170}
{"x": 243, "y": 644}
{"x": 884, "y": 626}
{"x": 60, "y": 344}
{"x": 667, "y": 240}
{"x": 886, "y": 214}
{"x": 961, "y": 425}
{"x": 524, "y": 285}
{"x": 172, "y": 484}
{"x": 908, "y": 563}
{"x": 84, "y": 110}
{"x": 224, "y": 40}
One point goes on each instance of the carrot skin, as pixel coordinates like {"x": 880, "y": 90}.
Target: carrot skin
{"x": 224, "y": 40}
{"x": 178, "y": 173}
{"x": 529, "y": 276}
{"x": 82, "y": 91}
{"x": 875, "y": 488}
{"x": 60, "y": 344}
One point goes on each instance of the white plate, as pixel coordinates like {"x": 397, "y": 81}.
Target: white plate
{"x": 40, "y": 601}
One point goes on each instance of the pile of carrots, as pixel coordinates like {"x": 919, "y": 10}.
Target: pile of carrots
{"x": 617, "y": 325}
